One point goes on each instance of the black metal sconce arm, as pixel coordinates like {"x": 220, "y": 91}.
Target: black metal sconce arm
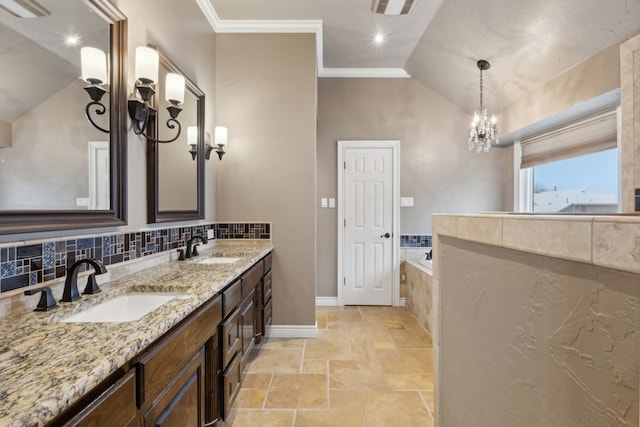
{"x": 96, "y": 92}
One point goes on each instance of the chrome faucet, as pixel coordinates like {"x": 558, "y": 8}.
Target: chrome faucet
{"x": 71, "y": 283}
{"x": 192, "y": 249}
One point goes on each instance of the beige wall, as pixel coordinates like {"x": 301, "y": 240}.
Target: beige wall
{"x": 593, "y": 77}
{"x": 530, "y": 340}
{"x": 190, "y": 44}
{"x": 437, "y": 169}
{"x": 191, "y": 47}
{"x": 47, "y": 166}
{"x": 266, "y": 96}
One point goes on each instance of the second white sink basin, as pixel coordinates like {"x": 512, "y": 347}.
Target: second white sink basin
{"x": 124, "y": 308}
{"x": 217, "y": 260}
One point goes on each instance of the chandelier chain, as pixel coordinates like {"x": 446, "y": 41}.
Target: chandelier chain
{"x": 481, "y": 86}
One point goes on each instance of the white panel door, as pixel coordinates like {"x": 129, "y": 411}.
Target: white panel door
{"x": 368, "y": 223}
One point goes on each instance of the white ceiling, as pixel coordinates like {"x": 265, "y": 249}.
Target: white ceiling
{"x": 439, "y": 42}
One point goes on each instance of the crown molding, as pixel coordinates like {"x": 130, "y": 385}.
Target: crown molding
{"x": 390, "y": 73}
{"x": 295, "y": 26}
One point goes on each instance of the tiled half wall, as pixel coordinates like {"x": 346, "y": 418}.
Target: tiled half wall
{"x": 30, "y": 264}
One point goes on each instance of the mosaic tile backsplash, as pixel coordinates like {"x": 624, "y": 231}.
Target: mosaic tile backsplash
{"x": 22, "y": 266}
{"x": 415, "y": 241}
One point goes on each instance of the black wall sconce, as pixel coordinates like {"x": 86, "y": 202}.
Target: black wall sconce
{"x": 94, "y": 72}
{"x": 140, "y": 110}
{"x": 192, "y": 141}
{"x": 221, "y": 134}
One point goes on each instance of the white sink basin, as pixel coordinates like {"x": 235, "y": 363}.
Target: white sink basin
{"x": 124, "y": 308}
{"x": 217, "y": 260}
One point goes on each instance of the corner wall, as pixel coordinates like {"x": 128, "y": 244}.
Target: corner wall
{"x": 437, "y": 169}
{"x": 266, "y": 97}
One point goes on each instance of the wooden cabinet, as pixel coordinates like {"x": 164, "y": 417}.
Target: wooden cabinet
{"x": 116, "y": 406}
{"x": 173, "y": 389}
{"x": 181, "y": 404}
{"x": 192, "y": 375}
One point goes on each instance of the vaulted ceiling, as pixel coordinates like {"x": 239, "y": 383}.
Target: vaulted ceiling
{"x": 439, "y": 41}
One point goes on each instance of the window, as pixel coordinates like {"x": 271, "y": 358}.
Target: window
{"x": 587, "y": 183}
{"x": 572, "y": 169}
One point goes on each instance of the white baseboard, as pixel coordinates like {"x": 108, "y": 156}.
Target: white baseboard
{"x": 292, "y": 331}
{"x": 326, "y": 301}
{"x": 333, "y": 302}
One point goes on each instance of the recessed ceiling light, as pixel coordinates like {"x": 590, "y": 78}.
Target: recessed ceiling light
{"x": 72, "y": 40}
{"x": 379, "y": 38}
{"x": 24, "y": 8}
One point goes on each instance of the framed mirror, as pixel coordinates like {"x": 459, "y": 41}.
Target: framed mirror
{"x": 175, "y": 170}
{"x": 57, "y": 171}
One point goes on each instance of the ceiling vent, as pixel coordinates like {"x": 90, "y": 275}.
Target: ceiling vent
{"x": 392, "y": 7}
{"x": 24, "y": 8}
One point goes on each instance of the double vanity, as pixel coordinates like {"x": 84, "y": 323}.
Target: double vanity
{"x": 171, "y": 355}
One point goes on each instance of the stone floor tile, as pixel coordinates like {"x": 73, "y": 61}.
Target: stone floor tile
{"x": 345, "y": 399}
{"x": 310, "y": 366}
{"x": 330, "y": 344}
{"x": 410, "y": 322}
{"x": 411, "y": 338}
{"x": 403, "y": 361}
{"x": 257, "y": 381}
{"x": 344, "y": 316}
{"x": 263, "y": 418}
{"x": 352, "y": 374}
{"x": 298, "y": 391}
{"x": 374, "y": 310}
{"x": 395, "y": 408}
{"x": 281, "y": 360}
{"x": 282, "y": 343}
{"x": 249, "y": 398}
{"x": 410, "y": 381}
{"x": 329, "y": 419}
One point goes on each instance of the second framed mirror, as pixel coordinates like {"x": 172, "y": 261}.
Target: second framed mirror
{"x": 175, "y": 170}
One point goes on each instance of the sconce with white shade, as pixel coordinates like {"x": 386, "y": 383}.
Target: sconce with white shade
{"x": 192, "y": 141}
{"x": 94, "y": 72}
{"x": 220, "y": 138}
{"x": 140, "y": 110}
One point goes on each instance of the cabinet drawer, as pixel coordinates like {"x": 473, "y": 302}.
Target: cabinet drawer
{"x": 248, "y": 315}
{"x": 266, "y": 295}
{"x": 116, "y": 406}
{"x": 267, "y": 262}
{"x": 231, "y": 381}
{"x": 231, "y": 298}
{"x": 267, "y": 314}
{"x": 251, "y": 279}
{"x": 231, "y": 331}
{"x": 162, "y": 362}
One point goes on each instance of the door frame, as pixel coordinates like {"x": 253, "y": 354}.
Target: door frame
{"x": 395, "y": 197}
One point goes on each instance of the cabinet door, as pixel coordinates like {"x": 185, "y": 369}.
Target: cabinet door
{"x": 231, "y": 330}
{"x": 115, "y": 407}
{"x": 248, "y": 322}
{"x": 231, "y": 383}
{"x": 213, "y": 404}
{"x": 182, "y": 403}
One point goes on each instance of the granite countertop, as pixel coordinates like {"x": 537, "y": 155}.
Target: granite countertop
{"x": 45, "y": 365}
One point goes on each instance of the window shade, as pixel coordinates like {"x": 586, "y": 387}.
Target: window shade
{"x": 594, "y": 134}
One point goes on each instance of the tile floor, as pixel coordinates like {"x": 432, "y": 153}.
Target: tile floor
{"x": 371, "y": 366}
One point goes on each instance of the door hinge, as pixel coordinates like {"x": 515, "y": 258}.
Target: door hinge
{"x": 345, "y": 223}
{"x": 345, "y": 165}
{"x": 344, "y": 281}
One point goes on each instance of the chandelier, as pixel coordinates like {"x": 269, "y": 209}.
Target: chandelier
{"x": 483, "y": 130}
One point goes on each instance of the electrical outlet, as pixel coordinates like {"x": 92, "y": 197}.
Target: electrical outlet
{"x": 209, "y": 234}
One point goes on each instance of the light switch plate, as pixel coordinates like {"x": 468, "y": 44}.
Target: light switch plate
{"x": 323, "y": 202}
{"x": 332, "y": 203}
{"x": 406, "y": 201}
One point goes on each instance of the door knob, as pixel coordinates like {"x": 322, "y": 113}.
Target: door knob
{"x": 386, "y": 235}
